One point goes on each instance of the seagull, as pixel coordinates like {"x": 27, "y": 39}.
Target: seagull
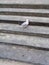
{"x": 25, "y": 24}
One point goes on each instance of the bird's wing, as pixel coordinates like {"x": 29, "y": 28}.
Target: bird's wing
{"x": 23, "y": 23}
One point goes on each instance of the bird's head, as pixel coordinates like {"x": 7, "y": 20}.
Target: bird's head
{"x": 27, "y": 21}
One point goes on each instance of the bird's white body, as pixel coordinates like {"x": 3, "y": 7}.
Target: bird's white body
{"x": 25, "y": 24}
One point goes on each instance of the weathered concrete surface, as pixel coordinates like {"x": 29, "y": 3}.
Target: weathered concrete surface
{"x": 24, "y": 10}
{"x": 8, "y": 62}
{"x": 30, "y": 30}
{"x": 32, "y": 41}
{"x": 23, "y": 18}
{"x": 24, "y": 54}
{"x": 24, "y": 1}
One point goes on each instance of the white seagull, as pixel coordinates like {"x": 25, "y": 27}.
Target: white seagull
{"x": 25, "y": 24}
